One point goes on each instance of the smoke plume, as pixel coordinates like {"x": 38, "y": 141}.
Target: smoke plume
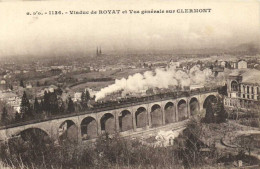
{"x": 160, "y": 78}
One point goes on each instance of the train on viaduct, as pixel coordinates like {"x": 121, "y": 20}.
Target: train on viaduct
{"x": 127, "y": 117}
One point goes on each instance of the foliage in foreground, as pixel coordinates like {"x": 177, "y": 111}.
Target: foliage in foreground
{"x": 108, "y": 152}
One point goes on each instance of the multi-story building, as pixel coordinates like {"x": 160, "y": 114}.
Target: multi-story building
{"x": 241, "y": 64}
{"x": 243, "y": 89}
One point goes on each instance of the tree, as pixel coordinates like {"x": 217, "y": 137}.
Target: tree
{"x": 215, "y": 111}
{"x": 17, "y": 117}
{"x": 58, "y": 91}
{"x": 62, "y": 108}
{"x": 11, "y": 87}
{"x": 46, "y": 103}
{"x": 61, "y": 105}
{"x": 85, "y": 97}
{"x": 71, "y": 107}
{"x": 37, "y": 83}
{"x": 223, "y": 90}
{"x": 25, "y": 107}
{"x": 42, "y": 104}
{"x": 53, "y": 102}
{"x": 221, "y": 112}
{"x": 45, "y": 83}
{"x": 4, "y": 116}
{"x": 209, "y": 117}
{"x": 82, "y": 97}
{"x": 37, "y": 107}
{"x": 21, "y": 83}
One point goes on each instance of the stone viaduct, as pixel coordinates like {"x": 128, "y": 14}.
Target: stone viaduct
{"x": 129, "y": 118}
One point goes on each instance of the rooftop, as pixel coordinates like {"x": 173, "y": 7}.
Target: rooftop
{"x": 248, "y": 75}
{"x": 7, "y": 95}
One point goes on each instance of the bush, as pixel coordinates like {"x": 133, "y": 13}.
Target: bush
{"x": 255, "y": 123}
{"x": 250, "y": 122}
{"x": 122, "y": 152}
{"x": 107, "y": 152}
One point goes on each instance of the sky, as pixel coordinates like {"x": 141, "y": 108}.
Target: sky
{"x": 229, "y": 23}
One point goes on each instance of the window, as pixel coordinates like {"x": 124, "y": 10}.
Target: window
{"x": 252, "y": 89}
{"x": 234, "y": 86}
{"x": 171, "y": 141}
{"x": 247, "y": 89}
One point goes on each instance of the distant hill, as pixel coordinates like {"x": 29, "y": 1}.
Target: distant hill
{"x": 248, "y": 48}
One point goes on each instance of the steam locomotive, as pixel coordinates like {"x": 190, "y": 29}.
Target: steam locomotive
{"x": 151, "y": 98}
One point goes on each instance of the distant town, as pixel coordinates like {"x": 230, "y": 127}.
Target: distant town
{"x": 89, "y": 96}
{"x": 72, "y": 77}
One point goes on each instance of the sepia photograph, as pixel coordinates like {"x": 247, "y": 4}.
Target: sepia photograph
{"x": 148, "y": 84}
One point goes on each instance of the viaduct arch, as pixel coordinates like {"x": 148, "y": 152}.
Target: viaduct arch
{"x": 141, "y": 117}
{"x": 182, "y": 110}
{"x": 169, "y": 110}
{"x": 107, "y": 122}
{"x": 35, "y": 135}
{"x": 125, "y": 120}
{"x": 208, "y": 105}
{"x": 194, "y": 106}
{"x": 89, "y": 128}
{"x": 68, "y": 130}
{"x": 156, "y": 115}
{"x": 209, "y": 99}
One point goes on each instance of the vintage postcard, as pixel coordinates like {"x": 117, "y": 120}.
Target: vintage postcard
{"x": 129, "y": 84}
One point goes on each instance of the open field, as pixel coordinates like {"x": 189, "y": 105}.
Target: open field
{"x": 110, "y": 73}
{"x": 126, "y": 72}
{"x": 92, "y": 85}
{"x": 94, "y": 75}
{"x": 113, "y": 74}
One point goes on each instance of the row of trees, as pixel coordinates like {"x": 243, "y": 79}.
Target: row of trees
{"x": 50, "y": 104}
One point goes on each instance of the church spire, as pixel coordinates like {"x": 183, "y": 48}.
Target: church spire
{"x": 100, "y": 50}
